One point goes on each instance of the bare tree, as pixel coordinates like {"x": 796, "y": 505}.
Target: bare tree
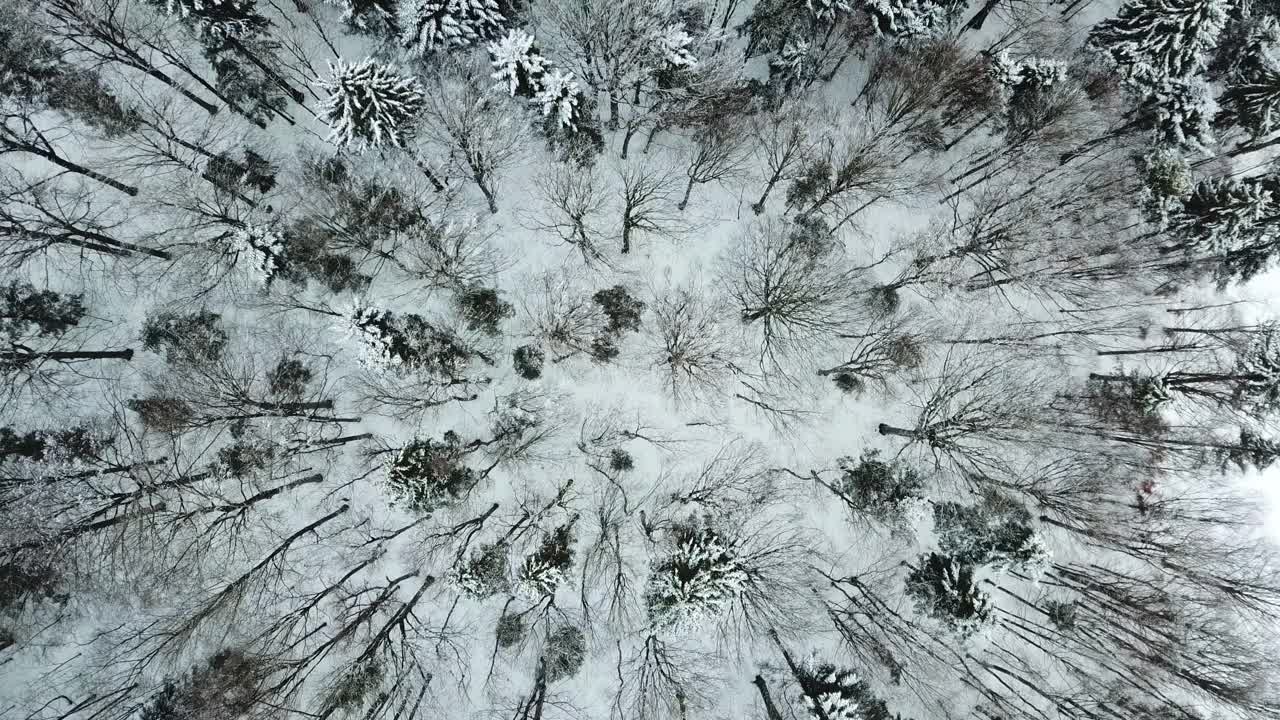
{"x": 781, "y": 140}
{"x": 461, "y": 116}
{"x": 647, "y": 200}
{"x": 720, "y": 155}
{"x": 791, "y": 283}
{"x": 573, "y": 205}
{"x": 690, "y": 347}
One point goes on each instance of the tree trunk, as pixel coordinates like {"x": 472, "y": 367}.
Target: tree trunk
{"x": 67, "y": 355}
{"x": 684, "y": 201}
{"x": 758, "y": 206}
{"x": 1147, "y": 351}
{"x": 422, "y": 165}
{"x": 80, "y": 170}
{"x": 626, "y": 234}
{"x": 771, "y": 710}
{"x": 884, "y": 429}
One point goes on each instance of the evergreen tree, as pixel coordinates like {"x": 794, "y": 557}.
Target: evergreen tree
{"x": 517, "y": 63}
{"x": 430, "y": 25}
{"x": 407, "y": 341}
{"x": 1153, "y": 41}
{"x": 834, "y": 693}
{"x": 547, "y": 568}
{"x": 427, "y": 474}
{"x": 27, "y": 313}
{"x": 998, "y": 531}
{"x": 621, "y": 308}
{"x": 696, "y": 581}
{"x": 560, "y": 99}
{"x": 564, "y": 652}
{"x": 185, "y": 336}
{"x": 1181, "y": 114}
{"x": 946, "y": 590}
{"x": 483, "y": 309}
{"x": 1252, "y": 97}
{"x": 219, "y": 18}
{"x": 370, "y": 105}
{"x": 484, "y": 574}
{"x": 528, "y": 361}
{"x": 887, "y": 490}
{"x": 911, "y": 19}
{"x": 1252, "y": 451}
{"x": 258, "y": 252}
{"x": 1222, "y": 215}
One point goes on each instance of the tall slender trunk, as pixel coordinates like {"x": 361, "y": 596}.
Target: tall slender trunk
{"x": 68, "y": 355}
{"x": 684, "y": 201}
{"x": 1149, "y": 351}
{"x": 66, "y": 164}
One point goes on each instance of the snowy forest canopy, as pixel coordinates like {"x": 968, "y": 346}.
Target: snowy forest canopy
{"x": 639, "y": 359}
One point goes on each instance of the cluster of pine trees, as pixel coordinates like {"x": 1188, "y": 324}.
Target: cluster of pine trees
{"x": 681, "y": 360}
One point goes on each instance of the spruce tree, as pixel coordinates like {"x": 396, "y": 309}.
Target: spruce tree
{"x": 427, "y": 26}
{"x": 946, "y": 590}
{"x": 370, "y": 105}
{"x": 1152, "y": 41}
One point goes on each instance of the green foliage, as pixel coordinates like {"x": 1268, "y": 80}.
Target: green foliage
{"x": 528, "y": 361}
{"x": 998, "y": 531}
{"x": 622, "y": 310}
{"x": 428, "y": 474}
{"x": 26, "y": 312}
{"x": 946, "y": 590}
{"x": 483, "y": 309}
{"x": 185, "y": 337}
{"x": 564, "y": 652}
{"x": 879, "y": 487}
{"x": 289, "y": 378}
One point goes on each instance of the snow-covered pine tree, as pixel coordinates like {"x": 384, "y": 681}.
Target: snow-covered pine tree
{"x": 185, "y": 337}
{"x": 370, "y": 105}
{"x": 831, "y": 692}
{"x": 428, "y": 474}
{"x": 828, "y": 10}
{"x": 997, "y": 531}
{"x": 484, "y": 574}
{"x": 910, "y": 19}
{"x": 219, "y": 18}
{"x": 258, "y": 252}
{"x": 673, "y": 46}
{"x": 1252, "y": 452}
{"x": 1258, "y": 366}
{"x": 543, "y": 571}
{"x": 1223, "y": 214}
{"x": 517, "y": 63}
{"x": 408, "y": 341}
{"x": 889, "y": 491}
{"x": 696, "y": 581}
{"x": 1152, "y": 41}
{"x": 430, "y": 25}
{"x": 63, "y": 445}
{"x": 947, "y": 591}
{"x": 1252, "y": 97}
{"x": 26, "y": 312}
{"x": 564, "y": 652}
{"x": 559, "y": 98}
{"x": 367, "y": 15}
{"x": 1166, "y": 180}
{"x": 1181, "y": 114}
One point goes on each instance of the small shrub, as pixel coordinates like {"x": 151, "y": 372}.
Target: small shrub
{"x": 528, "y": 361}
